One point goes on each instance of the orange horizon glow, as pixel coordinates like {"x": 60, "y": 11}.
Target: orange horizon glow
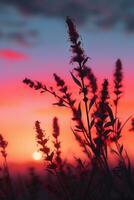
{"x": 17, "y": 123}
{"x": 22, "y": 106}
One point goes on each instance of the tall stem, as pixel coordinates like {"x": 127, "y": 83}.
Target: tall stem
{"x": 86, "y": 107}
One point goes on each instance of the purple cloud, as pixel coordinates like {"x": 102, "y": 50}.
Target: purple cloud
{"x": 103, "y": 13}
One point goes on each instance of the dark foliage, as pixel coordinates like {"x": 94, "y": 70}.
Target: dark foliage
{"x": 97, "y": 129}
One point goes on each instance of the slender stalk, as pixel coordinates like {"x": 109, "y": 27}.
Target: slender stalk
{"x": 86, "y": 108}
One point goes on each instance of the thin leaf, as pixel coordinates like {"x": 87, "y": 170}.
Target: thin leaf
{"x": 113, "y": 151}
{"x": 110, "y": 112}
{"x": 59, "y": 104}
{"x": 105, "y": 148}
{"x": 79, "y": 113}
{"x": 121, "y": 149}
{"x": 107, "y": 132}
{"x": 125, "y": 122}
{"x": 86, "y": 59}
{"x": 108, "y": 124}
{"x": 92, "y": 102}
{"x": 92, "y": 123}
{"x": 76, "y": 80}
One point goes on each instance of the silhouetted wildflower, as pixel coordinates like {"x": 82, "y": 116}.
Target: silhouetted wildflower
{"x": 97, "y": 134}
{"x": 57, "y": 144}
{"x": 93, "y": 81}
{"x": 58, "y": 80}
{"x": 101, "y": 112}
{"x": 41, "y": 139}
{"x": 3, "y": 145}
{"x": 79, "y": 55}
{"x": 118, "y": 76}
{"x": 72, "y": 30}
{"x": 36, "y": 85}
{"x": 104, "y": 92}
{"x": 65, "y": 97}
{"x": 101, "y": 116}
{"x": 28, "y": 82}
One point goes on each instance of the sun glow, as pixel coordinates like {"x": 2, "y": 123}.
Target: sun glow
{"x": 37, "y": 155}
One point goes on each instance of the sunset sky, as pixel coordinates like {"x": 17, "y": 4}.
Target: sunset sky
{"x": 34, "y": 44}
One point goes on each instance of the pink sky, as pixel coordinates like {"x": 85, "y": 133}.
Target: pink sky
{"x": 21, "y": 106}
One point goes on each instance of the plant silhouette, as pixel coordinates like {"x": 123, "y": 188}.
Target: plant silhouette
{"x": 98, "y": 135}
{"x": 96, "y": 127}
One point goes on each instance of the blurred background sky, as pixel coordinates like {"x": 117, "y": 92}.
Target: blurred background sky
{"x": 34, "y": 44}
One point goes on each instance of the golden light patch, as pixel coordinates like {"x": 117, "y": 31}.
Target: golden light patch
{"x": 37, "y": 155}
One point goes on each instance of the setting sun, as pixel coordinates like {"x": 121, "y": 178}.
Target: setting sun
{"x": 37, "y": 155}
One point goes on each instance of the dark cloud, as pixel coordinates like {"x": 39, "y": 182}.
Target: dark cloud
{"x": 103, "y": 13}
{"x": 25, "y": 38}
